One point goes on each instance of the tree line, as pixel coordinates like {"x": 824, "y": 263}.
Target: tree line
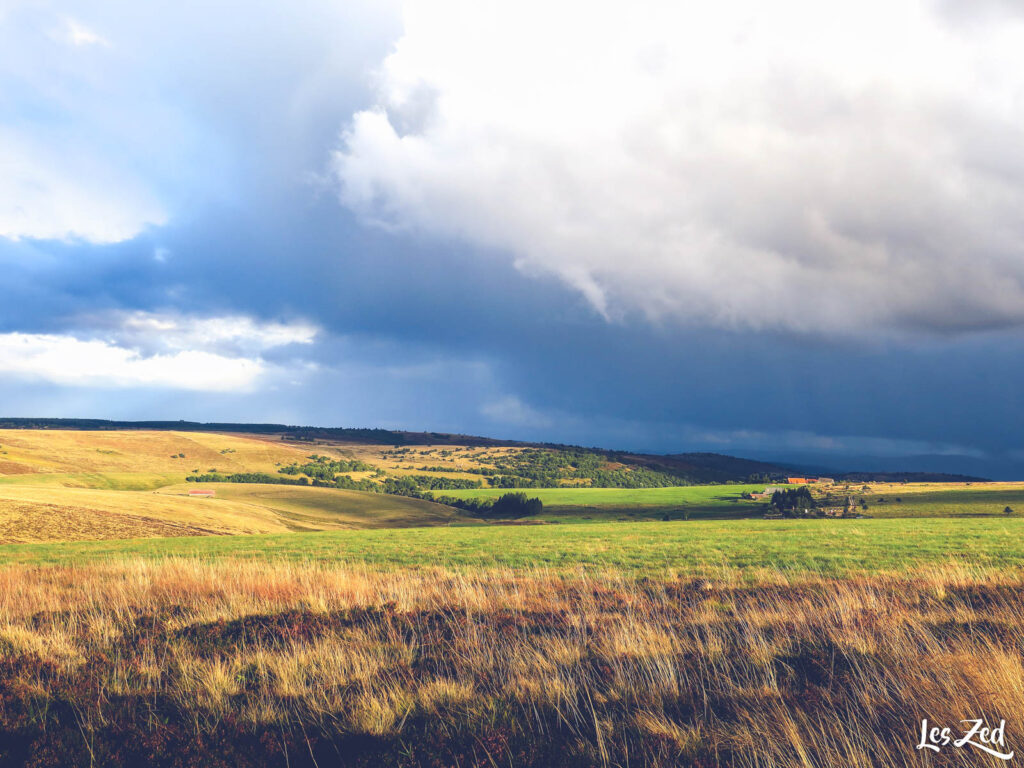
{"x": 512, "y": 505}
{"x": 539, "y": 468}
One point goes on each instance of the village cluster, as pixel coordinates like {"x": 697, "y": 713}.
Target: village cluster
{"x": 795, "y": 499}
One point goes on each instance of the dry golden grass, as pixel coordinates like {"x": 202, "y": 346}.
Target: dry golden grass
{"x": 34, "y": 521}
{"x": 30, "y": 513}
{"x": 909, "y": 489}
{"x": 38, "y": 513}
{"x": 32, "y": 451}
{"x": 184, "y": 663}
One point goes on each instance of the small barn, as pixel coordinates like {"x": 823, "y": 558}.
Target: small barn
{"x": 203, "y": 494}
{"x": 767, "y": 493}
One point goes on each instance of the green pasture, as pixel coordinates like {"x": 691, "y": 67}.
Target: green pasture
{"x": 692, "y": 501}
{"x": 830, "y": 547}
{"x": 724, "y": 501}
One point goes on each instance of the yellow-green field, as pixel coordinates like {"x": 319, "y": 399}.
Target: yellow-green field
{"x": 945, "y": 500}
{"x": 314, "y": 509}
{"x": 49, "y": 513}
{"x": 747, "y": 548}
{"x": 138, "y": 452}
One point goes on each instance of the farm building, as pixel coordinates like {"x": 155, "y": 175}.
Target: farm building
{"x": 204, "y": 494}
{"x": 848, "y": 509}
{"x": 800, "y": 480}
{"x": 766, "y": 493}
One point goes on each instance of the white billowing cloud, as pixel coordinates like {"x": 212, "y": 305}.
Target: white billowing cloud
{"x": 219, "y": 354}
{"x": 74, "y": 362}
{"x": 792, "y": 165}
{"x": 237, "y": 332}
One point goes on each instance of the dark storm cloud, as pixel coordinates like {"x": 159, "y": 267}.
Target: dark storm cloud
{"x": 439, "y": 323}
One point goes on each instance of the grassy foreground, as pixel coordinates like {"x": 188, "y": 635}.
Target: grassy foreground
{"x": 694, "y": 547}
{"x": 188, "y": 663}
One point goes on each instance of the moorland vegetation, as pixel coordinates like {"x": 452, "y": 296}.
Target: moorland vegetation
{"x": 219, "y": 663}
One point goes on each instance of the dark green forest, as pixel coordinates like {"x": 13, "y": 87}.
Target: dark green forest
{"x": 539, "y": 468}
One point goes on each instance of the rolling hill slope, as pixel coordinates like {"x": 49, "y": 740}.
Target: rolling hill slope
{"x": 139, "y": 452}
{"x": 689, "y": 467}
{"x": 298, "y": 508}
{"x": 41, "y": 513}
{"x": 72, "y": 485}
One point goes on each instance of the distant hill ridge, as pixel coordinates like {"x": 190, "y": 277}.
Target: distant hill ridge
{"x": 699, "y": 467}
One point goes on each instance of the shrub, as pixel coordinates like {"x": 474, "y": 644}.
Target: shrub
{"x": 514, "y": 505}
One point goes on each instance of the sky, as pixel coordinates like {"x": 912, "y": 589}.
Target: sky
{"x": 787, "y": 231}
